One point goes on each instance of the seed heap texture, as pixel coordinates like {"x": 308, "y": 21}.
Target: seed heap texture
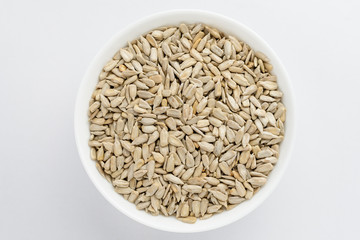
{"x": 186, "y": 121}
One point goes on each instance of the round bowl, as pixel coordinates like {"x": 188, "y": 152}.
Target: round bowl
{"x": 142, "y": 26}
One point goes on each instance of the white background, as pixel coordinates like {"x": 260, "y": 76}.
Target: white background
{"x": 45, "y": 48}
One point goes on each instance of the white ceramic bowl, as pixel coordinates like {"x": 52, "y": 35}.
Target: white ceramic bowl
{"x": 226, "y": 25}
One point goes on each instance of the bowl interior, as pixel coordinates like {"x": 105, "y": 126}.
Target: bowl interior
{"x": 82, "y": 134}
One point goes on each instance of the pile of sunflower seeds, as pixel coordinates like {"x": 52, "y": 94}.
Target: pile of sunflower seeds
{"x": 186, "y": 121}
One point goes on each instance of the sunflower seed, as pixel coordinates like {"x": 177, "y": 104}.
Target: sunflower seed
{"x": 173, "y": 179}
{"x": 192, "y": 188}
{"x": 175, "y": 141}
{"x": 188, "y": 219}
{"x": 126, "y": 55}
{"x": 208, "y": 147}
{"x": 140, "y": 140}
{"x": 125, "y": 190}
{"x": 220, "y": 196}
{"x": 225, "y": 168}
{"x": 120, "y": 183}
{"x": 240, "y": 188}
{"x": 236, "y": 200}
{"x": 257, "y": 181}
{"x": 213, "y": 208}
{"x": 152, "y": 189}
{"x": 143, "y": 205}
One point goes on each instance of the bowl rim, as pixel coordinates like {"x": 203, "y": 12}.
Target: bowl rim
{"x": 290, "y": 105}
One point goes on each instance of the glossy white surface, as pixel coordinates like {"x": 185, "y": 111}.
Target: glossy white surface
{"x": 91, "y": 77}
{"x": 45, "y": 49}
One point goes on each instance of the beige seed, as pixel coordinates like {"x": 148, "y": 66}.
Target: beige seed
{"x": 228, "y": 155}
{"x": 236, "y": 200}
{"x": 140, "y": 139}
{"x": 264, "y": 168}
{"x": 148, "y": 129}
{"x": 104, "y": 101}
{"x": 111, "y": 92}
{"x": 225, "y": 65}
{"x": 173, "y": 113}
{"x": 212, "y": 180}
{"x": 202, "y": 123}
{"x": 218, "y": 147}
{"x": 123, "y": 190}
{"x": 139, "y": 109}
{"x": 250, "y": 90}
{"x": 170, "y": 164}
{"x": 216, "y": 122}
{"x": 187, "y": 174}
{"x": 192, "y": 188}
{"x": 153, "y": 137}
{"x": 262, "y": 56}
{"x": 241, "y": 80}
{"x": 120, "y": 183}
{"x": 201, "y": 106}
{"x": 143, "y": 205}
{"x": 132, "y": 91}
{"x": 133, "y": 196}
{"x": 190, "y": 162}
{"x": 244, "y": 174}
{"x": 233, "y": 104}
{"x": 217, "y": 50}
{"x": 219, "y": 114}
{"x": 188, "y": 63}
{"x": 227, "y": 49}
{"x": 150, "y": 169}
{"x": 187, "y": 129}
{"x": 110, "y": 65}
{"x": 188, "y": 219}
{"x": 267, "y": 98}
{"x": 158, "y": 157}
{"x": 126, "y": 55}
{"x": 244, "y": 157}
{"x": 196, "y": 69}
{"x": 268, "y": 85}
{"x": 225, "y": 168}
{"x": 264, "y": 153}
{"x": 257, "y": 181}
{"x": 152, "y": 189}
{"x": 164, "y": 138}
{"x": 196, "y": 208}
{"x": 204, "y": 206}
{"x": 145, "y": 45}
{"x": 145, "y": 94}
{"x": 240, "y": 188}
{"x": 213, "y": 208}
{"x": 173, "y": 179}
{"x": 175, "y": 141}
{"x": 220, "y": 196}
{"x": 246, "y": 139}
{"x": 190, "y": 146}
{"x": 185, "y": 209}
{"x": 94, "y": 106}
{"x": 196, "y": 55}
{"x": 208, "y": 147}
{"x": 213, "y": 165}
